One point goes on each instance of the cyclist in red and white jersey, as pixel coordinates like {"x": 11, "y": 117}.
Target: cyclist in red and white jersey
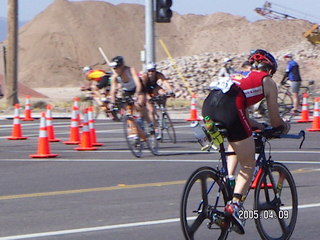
{"x": 227, "y": 104}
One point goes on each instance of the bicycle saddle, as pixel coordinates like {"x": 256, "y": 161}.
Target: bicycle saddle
{"x": 222, "y": 129}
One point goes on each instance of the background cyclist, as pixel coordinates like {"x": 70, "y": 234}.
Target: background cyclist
{"x": 98, "y": 79}
{"x": 126, "y": 79}
{"x": 227, "y": 103}
{"x": 150, "y": 82}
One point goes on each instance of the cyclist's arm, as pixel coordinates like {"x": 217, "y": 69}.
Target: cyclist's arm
{"x": 96, "y": 93}
{"x": 253, "y": 123}
{"x": 165, "y": 82}
{"x": 271, "y": 94}
{"x": 113, "y": 88}
{"x": 136, "y": 80}
{"x": 285, "y": 78}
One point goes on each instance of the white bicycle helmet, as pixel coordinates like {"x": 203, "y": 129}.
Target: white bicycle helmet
{"x": 86, "y": 69}
{"x": 151, "y": 66}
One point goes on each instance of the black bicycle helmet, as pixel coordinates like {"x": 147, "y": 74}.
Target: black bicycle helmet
{"x": 262, "y": 59}
{"x": 117, "y": 61}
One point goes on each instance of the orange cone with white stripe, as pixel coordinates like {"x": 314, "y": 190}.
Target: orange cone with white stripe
{"x": 305, "y": 111}
{"x": 193, "y": 110}
{"x": 93, "y": 135}
{"x": 316, "y": 118}
{"x": 16, "y": 129}
{"x": 43, "y": 143}
{"x": 50, "y": 127}
{"x": 27, "y": 110}
{"x": 76, "y": 105}
{"x": 74, "y": 129}
{"x": 85, "y": 144}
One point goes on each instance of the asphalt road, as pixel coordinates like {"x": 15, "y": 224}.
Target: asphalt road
{"x": 109, "y": 194}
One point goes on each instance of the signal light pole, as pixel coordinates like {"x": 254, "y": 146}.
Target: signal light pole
{"x": 161, "y": 14}
{"x": 11, "y": 78}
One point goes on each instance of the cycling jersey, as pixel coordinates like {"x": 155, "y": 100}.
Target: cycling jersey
{"x": 151, "y": 83}
{"x": 252, "y": 86}
{"x": 95, "y": 75}
{"x": 127, "y": 86}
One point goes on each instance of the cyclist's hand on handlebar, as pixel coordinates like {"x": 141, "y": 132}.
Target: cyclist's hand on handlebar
{"x": 84, "y": 88}
{"x": 275, "y": 132}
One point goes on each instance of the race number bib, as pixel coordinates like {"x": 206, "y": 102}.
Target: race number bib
{"x": 224, "y": 84}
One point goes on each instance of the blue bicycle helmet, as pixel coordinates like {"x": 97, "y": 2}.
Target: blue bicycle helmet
{"x": 261, "y": 59}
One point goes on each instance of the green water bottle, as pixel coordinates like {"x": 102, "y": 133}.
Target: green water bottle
{"x": 209, "y": 123}
{"x": 216, "y": 137}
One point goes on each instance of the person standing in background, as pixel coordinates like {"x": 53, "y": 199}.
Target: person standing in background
{"x": 293, "y": 75}
{"x": 227, "y": 68}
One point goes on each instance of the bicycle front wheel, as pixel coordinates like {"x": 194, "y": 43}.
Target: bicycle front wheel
{"x": 167, "y": 130}
{"x": 203, "y": 200}
{"x": 152, "y": 142}
{"x": 276, "y": 201}
{"x": 131, "y": 133}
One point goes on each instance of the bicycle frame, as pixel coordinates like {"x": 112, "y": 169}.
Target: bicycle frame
{"x": 262, "y": 163}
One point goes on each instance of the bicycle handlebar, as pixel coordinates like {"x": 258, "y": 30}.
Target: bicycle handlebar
{"x": 270, "y": 133}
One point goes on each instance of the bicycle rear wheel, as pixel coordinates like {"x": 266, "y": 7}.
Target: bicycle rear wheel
{"x": 131, "y": 134}
{"x": 167, "y": 130}
{"x": 203, "y": 200}
{"x": 276, "y": 200}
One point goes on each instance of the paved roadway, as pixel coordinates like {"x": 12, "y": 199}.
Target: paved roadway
{"x": 109, "y": 194}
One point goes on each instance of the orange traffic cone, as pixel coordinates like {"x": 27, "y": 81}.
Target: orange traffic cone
{"x": 193, "y": 110}
{"x": 92, "y": 129}
{"x": 85, "y": 144}
{"x": 74, "y": 129}
{"x": 316, "y": 118}
{"x": 16, "y": 129}
{"x": 50, "y": 128}
{"x": 43, "y": 143}
{"x": 76, "y": 105}
{"x": 27, "y": 110}
{"x": 305, "y": 111}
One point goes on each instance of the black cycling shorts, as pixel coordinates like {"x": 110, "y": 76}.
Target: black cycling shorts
{"x": 229, "y": 109}
{"x": 104, "y": 82}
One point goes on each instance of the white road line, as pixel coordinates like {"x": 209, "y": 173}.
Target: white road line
{"x": 91, "y": 160}
{"x": 110, "y": 227}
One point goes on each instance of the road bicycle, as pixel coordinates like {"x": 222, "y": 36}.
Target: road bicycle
{"x": 285, "y": 101}
{"x": 137, "y": 132}
{"x": 165, "y": 126}
{"x": 208, "y": 189}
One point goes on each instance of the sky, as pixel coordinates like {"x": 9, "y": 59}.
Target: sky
{"x": 304, "y": 9}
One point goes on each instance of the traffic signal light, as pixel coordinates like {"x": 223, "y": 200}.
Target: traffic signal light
{"x": 163, "y": 11}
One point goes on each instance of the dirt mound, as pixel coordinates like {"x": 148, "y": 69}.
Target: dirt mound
{"x": 58, "y": 42}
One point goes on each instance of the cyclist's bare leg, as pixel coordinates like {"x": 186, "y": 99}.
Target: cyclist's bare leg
{"x": 232, "y": 161}
{"x": 244, "y": 150}
{"x": 140, "y": 106}
{"x": 295, "y": 97}
{"x": 151, "y": 112}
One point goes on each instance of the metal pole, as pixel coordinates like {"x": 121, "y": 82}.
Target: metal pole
{"x": 12, "y": 55}
{"x": 149, "y": 31}
{"x": 4, "y": 63}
